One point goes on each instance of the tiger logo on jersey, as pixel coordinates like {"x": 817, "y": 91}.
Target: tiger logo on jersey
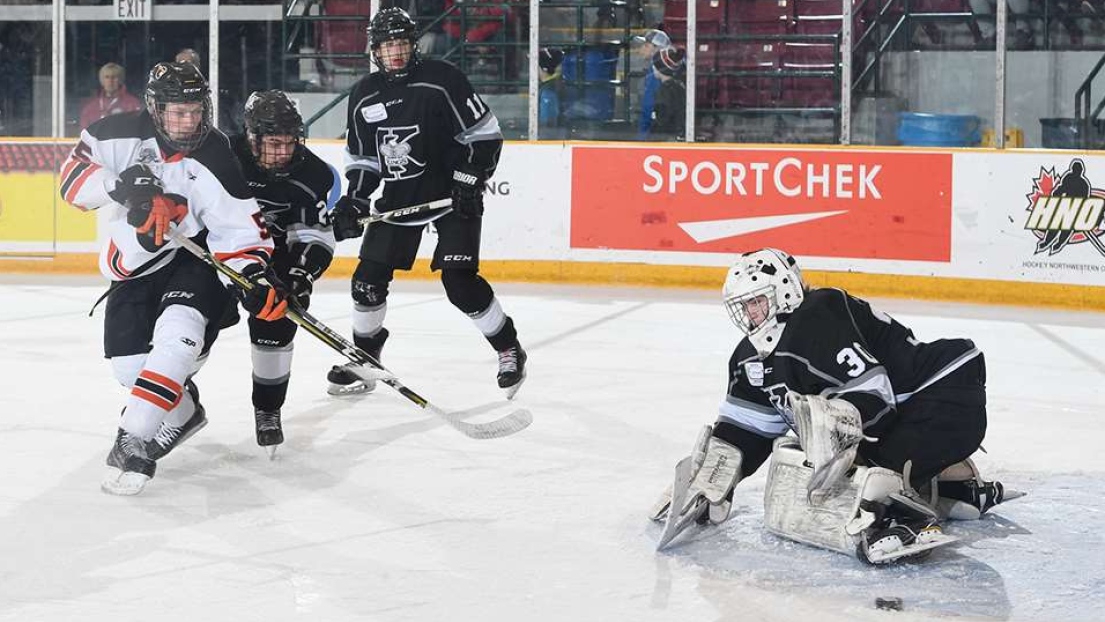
{"x": 394, "y": 146}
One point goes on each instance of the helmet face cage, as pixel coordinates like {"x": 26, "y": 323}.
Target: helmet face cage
{"x": 271, "y": 113}
{"x": 771, "y": 274}
{"x": 393, "y": 24}
{"x": 178, "y": 83}
{"x": 738, "y": 307}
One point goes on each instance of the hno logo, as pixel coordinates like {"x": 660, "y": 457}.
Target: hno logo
{"x": 1065, "y": 214}
{"x": 133, "y": 10}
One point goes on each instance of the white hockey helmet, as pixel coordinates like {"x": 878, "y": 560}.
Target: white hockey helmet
{"x": 759, "y": 288}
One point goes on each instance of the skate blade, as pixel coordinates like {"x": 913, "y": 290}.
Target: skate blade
{"x": 346, "y": 390}
{"x": 124, "y": 483}
{"x": 271, "y": 451}
{"x": 513, "y": 389}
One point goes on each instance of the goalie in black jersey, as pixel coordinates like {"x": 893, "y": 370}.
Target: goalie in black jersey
{"x": 417, "y": 126}
{"x": 296, "y": 191}
{"x": 885, "y": 423}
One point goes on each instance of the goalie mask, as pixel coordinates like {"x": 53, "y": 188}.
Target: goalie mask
{"x": 179, "y": 100}
{"x": 274, "y": 129}
{"x": 393, "y": 39}
{"x": 761, "y": 289}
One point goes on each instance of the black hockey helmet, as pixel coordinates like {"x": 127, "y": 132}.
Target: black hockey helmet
{"x": 271, "y": 113}
{"x": 178, "y": 83}
{"x": 391, "y": 25}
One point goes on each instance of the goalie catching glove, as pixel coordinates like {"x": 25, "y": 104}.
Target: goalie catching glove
{"x": 266, "y": 299}
{"x": 830, "y": 431}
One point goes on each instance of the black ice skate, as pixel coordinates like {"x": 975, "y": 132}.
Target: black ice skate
{"x": 512, "y": 369}
{"x": 344, "y": 381}
{"x": 130, "y": 466}
{"x": 970, "y": 499}
{"x": 899, "y": 540}
{"x": 270, "y": 434}
{"x": 169, "y": 436}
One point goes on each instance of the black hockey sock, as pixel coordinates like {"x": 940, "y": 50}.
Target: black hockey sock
{"x": 505, "y": 338}
{"x": 269, "y": 397}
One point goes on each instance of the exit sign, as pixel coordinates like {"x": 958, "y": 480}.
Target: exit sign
{"x": 134, "y": 10}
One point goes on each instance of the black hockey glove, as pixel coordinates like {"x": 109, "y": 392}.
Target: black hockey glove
{"x": 467, "y": 194}
{"x": 152, "y": 217}
{"x": 345, "y": 214}
{"x": 267, "y": 299}
{"x": 309, "y": 260}
{"x": 136, "y": 185}
{"x": 300, "y": 285}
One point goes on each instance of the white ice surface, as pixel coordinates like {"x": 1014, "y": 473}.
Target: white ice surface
{"x": 374, "y": 510}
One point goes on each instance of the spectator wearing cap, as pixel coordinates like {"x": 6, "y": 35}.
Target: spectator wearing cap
{"x": 670, "y": 109}
{"x": 651, "y": 42}
{"x": 111, "y": 98}
{"x": 549, "y": 91}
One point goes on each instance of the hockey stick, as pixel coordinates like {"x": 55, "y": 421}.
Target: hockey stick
{"x": 407, "y": 211}
{"x": 512, "y": 423}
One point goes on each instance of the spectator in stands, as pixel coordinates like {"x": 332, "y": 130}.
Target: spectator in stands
{"x": 652, "y": 42}
{"x": 111, "y": 98}
{"x": 426, "y": 12}
{"x": 670, "y": 109}
{"x": 478, "y": 21}
{"x": 481, "y": 20}
{"x": 1023, "y": 39}
{"x": 188, "y": 55}
{"x": 550, "y": 120}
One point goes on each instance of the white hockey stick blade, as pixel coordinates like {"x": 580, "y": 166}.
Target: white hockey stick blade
{"x": 678, "y": 520}
{"x": 511, "y": 423}
{"x": 124, "y": 483}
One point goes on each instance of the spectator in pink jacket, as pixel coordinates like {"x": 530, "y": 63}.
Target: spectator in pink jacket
{"x": 112, "y": 98}
{"x": 480, "y": 28}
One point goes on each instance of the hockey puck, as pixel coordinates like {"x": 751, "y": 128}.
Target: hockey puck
{"x": 889, "y": 603}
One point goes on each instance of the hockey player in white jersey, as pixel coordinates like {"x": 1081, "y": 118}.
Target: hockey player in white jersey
{"x": 166, "y": 166}
{"x": 885, "y": 424}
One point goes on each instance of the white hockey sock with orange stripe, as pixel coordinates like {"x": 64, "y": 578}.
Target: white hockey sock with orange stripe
{"x": 159, "y": 387}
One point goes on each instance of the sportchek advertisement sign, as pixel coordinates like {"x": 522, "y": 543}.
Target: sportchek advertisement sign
{"x": 849, "y": 204}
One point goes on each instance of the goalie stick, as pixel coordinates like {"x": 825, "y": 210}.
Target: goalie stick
{"x": 512, "y": 423}
{"x": 412, "y": 210}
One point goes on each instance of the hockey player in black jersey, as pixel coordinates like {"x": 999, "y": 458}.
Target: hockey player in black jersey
{"x": 857, "y": 388}
{"x": 417, "y": 126}
{"x": 296, "y": 191}
{"x": 161, "y": 167}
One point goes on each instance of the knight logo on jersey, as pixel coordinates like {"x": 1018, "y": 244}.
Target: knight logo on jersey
{"x": 394, "y": 147}
{"x": 1065, "y": 209}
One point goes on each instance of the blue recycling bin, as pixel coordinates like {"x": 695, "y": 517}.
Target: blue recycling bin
{"x": 924, "y": 129}
{"x": 592, "y": 102}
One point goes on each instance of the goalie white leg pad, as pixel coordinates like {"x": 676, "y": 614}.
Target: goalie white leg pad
{"x": 846, "y": 516}
{"x": 787, "y": 509}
